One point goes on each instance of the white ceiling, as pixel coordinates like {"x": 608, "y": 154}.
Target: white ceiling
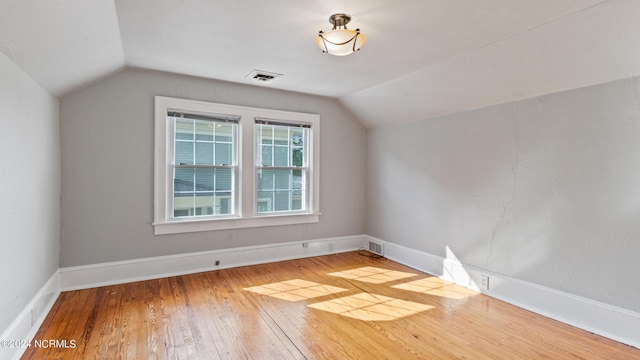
{"x": 422, "y": 58}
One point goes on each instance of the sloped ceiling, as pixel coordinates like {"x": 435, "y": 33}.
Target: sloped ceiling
{"x": 422, "y": 58}
{"x": 62, "y": 44}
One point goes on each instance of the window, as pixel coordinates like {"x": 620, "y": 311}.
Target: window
{"x": 222, "y": 167}
{"x": 282, "y": 166}
{"x": 204, "y": 164}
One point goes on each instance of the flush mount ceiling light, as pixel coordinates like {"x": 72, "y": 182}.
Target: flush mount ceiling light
{"x": 340, "y": 41}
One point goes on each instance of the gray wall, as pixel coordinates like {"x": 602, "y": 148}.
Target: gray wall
{"x": 545, "y": 190}
{"x": 29, "y": 189}
{"x": 107, "y": 168}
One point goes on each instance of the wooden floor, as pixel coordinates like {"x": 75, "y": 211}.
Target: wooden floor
{"x": 342, "y": 306}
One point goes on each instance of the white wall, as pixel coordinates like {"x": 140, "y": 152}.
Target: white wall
{"x": 29, "y": 189}
{"x": 545, "y": 190}
{"x": 107, "y": 168}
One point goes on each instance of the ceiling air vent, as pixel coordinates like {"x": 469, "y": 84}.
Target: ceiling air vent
{"x": 263, "y": 77}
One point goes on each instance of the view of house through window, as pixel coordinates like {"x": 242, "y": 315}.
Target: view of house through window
{"x": 282, "y": 167}
{"x": 221, "y": 166}
{"x": 204, "y": 166}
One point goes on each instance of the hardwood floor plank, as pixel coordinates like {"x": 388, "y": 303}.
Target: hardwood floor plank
{"x": 269, "y": 341}
{"x": 341, "y": 306}
{"x": 198, "y": 312}
{"x": 178, "y": 334}
{"x": 134, "y": 339}
{"x": 154, "y": 320}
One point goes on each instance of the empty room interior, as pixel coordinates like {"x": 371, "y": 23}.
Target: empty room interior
{"x": 363, "y": 179}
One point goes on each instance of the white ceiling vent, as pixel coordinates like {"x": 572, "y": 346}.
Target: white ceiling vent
{"x": 263, "y": 77}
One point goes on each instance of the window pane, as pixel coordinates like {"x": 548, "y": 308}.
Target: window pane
{"x": 297, "y": 156}
{"x": 281, "y": 156}
{"x": 265, "y": 134}
{"x": 204, "y": 179}
{"x": 224, "y": 132}
{"x": 224, "y": 203}
{"x": 183, "y": 180}
{"x": 204, "y": 153}
{"x": 265, "y": 201}
{"x": 223, "y": 154}
{"x": 180, "y": 212}
{"x": 281, "y": 199}
{"x": 288, "y": 194}
{"x": 183, "y": 205}
{"x": 297, "y": 137}
{"x": 281, "y": 135}
{"x": 296, "y": 200}
{"x": 184, "y": 153}
{"x": 267, "y": 155}
{"x": 184, "y": 129}
{"x": 204, "y": 204}
{"x": 204, "y": 130}
{"x": 265, "y": 179}
{"x": 183, "y": 197}
{"x": 202, "y": 192}
{"x": 223, "y": 180}
{"x": 282, "y": 179}
{"x": 297, "y": 180}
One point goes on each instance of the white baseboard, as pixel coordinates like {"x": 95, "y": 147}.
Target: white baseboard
{"x": 599, "y": 318}
{"x": 27, "y": 323}
{"x": 82, "y": 277}
{"x": 602, "y": 319}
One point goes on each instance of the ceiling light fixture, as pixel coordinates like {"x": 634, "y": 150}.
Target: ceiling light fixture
{"x": 340, "y": 41}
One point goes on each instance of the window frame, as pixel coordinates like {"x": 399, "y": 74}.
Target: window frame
{"x": 306, "y": 168}
{"x": 173, "y": 165}
{"x": 246, "y": 215}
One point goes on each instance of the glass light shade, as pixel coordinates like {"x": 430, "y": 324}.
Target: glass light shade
{"x": 340, "y": 42}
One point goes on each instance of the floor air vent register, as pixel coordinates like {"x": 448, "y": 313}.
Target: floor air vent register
{"x": 375, "y": 247}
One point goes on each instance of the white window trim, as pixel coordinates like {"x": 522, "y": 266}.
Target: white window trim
{"x": 245, "y": 213}
{"x": 309, "y": 177}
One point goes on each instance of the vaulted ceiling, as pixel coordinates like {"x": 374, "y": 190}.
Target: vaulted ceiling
{"x": 422, "y": 58}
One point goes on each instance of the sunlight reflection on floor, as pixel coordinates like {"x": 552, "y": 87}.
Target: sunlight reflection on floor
{"x": 437, "y": 287}
{"x": 361, "y": 306}
{"x": 371, "y": 307}
{"x": 373, "y": 275}
{"x": 295, "y": 290}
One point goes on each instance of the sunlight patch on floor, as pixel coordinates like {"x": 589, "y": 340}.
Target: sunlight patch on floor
{"x": 295, "y": 290}
{"x": 371, "y": 307}
{"x": 373, "y": 275}
{"x": 437, "y": 287}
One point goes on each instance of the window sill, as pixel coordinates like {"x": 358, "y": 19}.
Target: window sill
{"x": 186, "y": 226}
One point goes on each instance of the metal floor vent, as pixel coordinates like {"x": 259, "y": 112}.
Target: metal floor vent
{"x": 376, "y": 248}
{"x": 263, "y": 77}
